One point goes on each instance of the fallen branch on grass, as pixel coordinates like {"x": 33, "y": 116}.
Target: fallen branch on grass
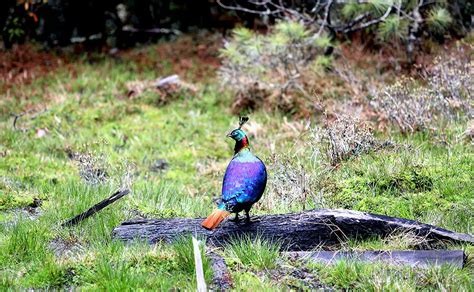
{"x": 295, "y": 231}
{"x": 96, "y": 208}
{"x": 413, "y": 258}
{"x": 16, "y": 118}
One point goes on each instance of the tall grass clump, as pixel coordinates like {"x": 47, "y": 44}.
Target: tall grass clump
{"x": 26, "y": 241}
{"x": 354, "y": 275}
{"x": 184, "y": 258}
{"x": 254, "y": 253}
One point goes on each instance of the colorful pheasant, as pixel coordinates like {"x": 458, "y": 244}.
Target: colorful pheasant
{"x": 244, "y": 181}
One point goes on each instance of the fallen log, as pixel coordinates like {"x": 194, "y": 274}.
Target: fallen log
{"x": 295, "y": 231}
{"x": 413, "y": 258}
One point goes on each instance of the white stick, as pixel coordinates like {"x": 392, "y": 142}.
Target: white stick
{"x": 201, "y": 283}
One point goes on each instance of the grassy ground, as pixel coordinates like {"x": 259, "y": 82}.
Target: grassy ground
{"x": 428, "y": 177}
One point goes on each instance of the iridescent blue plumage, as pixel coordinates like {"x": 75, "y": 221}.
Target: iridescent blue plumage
{"x": 245, "y": 178}
{"x": 244, "y": 181}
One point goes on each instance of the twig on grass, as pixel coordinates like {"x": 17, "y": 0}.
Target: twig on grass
{"x": 16, "y": 117}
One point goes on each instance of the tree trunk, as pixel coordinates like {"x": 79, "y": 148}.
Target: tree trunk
{"x": 295, "y": 231}
{"x": 413, "y": 32}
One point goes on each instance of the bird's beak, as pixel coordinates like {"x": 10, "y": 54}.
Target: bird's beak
{"x": 229, "y": 134}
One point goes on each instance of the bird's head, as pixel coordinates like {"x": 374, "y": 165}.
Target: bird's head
{"x": 241, "y": 140}
{"x": 237, "y": 135}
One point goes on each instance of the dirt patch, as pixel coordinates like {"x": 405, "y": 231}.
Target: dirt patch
{"x": 62, "y": 247}
{"x": 24, "y": 63}
{"x": 195, "y": 57}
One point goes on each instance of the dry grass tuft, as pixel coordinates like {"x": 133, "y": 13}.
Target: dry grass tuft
{"x": 405, "y": 240}
{"x": 343, "y": 138}
{"x": 290, "y": 185}
{"x": 446, "y": 95}
{"x": 469, "y": 132}
{"x": 92, "y": 168}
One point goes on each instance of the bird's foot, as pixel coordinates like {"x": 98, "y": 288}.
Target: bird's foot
{"x": 247, "y": 219}
{"x": 236, "y": 219}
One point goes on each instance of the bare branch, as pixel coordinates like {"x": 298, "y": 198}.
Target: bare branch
{"x": 326, "y": 17}
{"x": 369, "y": 23}
{"x": 96, "y": 208}
{"x": 253, "y": 11}
{"x": 16, "y": 117}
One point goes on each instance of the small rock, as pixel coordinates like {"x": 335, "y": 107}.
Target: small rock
{"x": 65, "y": 247}
{"x": 159, "y": 165}
{"x": 173, "y": 79}
{"x": 36, "y": 203}
{"x": 41, "y": 132}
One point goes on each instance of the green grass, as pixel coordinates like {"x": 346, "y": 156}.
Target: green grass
{"x": 88, "y": 111}
{"x": 381, "y": 277}
{"x": 252, "y": 253}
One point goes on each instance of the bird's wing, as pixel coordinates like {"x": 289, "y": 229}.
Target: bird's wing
{"x": 244, "y": 182}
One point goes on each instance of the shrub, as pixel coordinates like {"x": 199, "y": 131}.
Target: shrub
{"x": 291, "y": 185}
{"x": 393, "y": 23}
{"x": 268, "y": 69}
{"x": 94, "y": 169}
{"x": 451, "y": 79}
{"x": 411, "y": 109}
{"x": 447, "y": 95}
{"x": 343, "y": 138}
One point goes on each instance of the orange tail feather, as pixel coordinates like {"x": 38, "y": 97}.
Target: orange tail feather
{"x": 213, "y": 220}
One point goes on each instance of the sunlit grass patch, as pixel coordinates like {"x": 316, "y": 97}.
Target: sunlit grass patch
{"x": 248, "y": 281}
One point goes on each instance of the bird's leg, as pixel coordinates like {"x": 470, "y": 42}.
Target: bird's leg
{"x": 247, "y": 216}
{"x": 236, "y": 218}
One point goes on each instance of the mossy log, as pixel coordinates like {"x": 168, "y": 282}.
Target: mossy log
{"x": 295, "y": 231}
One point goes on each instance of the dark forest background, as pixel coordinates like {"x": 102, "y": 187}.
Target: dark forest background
{"x": 123, "y": 23}
{"x": 113, "y": 22}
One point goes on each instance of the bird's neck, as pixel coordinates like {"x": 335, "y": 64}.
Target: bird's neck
{"x": 241, "y": 145}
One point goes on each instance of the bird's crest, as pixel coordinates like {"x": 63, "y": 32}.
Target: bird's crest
{"x": 242, "y": 121}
